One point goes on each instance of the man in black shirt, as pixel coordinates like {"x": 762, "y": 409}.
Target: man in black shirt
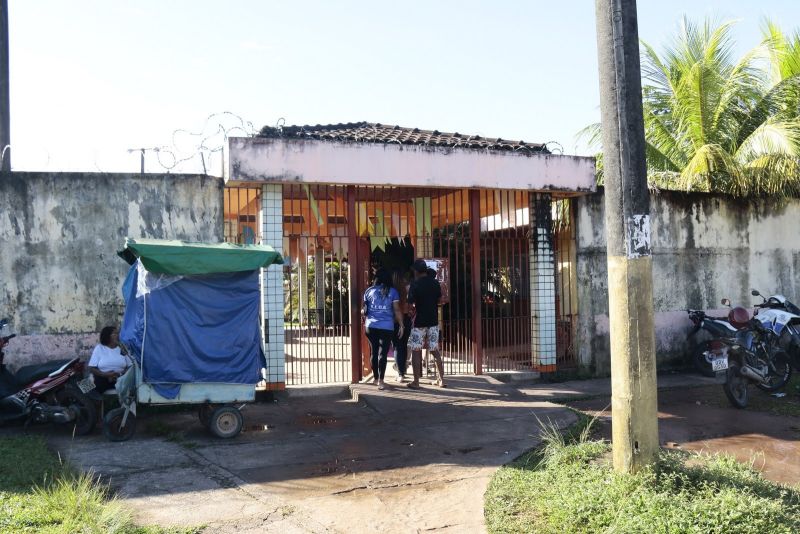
{"x": 424, "y": 294}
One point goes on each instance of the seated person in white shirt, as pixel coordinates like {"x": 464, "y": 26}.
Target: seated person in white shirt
{"x": 107, "y": 362}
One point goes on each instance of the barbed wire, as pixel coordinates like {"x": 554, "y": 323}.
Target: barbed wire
{"x": 203, "y": 144}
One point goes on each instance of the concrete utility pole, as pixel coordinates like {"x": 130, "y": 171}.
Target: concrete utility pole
{"x": 5, "y": 116}
{"x": 634, "y": 411}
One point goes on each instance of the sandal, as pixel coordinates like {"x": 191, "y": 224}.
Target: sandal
{"x": 412, "y": 385}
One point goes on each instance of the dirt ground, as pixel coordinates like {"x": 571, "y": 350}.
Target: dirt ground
{"x": 377, "y": 461}
{"x": 395, "y": 460}
{"x": 700, "y": 419}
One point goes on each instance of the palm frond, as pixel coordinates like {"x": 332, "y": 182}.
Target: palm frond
{"x": 772, "y": 137}
{"x": 710, "y": 163}
{"x": 782, "y": 51}
{"x": 773, "y": 175}
{"x": 779, "y": 101}
{"x": 592, "y": 135}
{"x": 715, "y": 122}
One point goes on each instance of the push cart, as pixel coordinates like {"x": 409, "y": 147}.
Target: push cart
{"x": 192, "y": 329}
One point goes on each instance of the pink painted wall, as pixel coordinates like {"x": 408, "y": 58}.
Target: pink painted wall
{"x": 313, "y": 161}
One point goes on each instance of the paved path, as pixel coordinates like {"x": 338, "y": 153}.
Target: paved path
{"x": 389, "y": 461}
{"x": 382, "y": 461}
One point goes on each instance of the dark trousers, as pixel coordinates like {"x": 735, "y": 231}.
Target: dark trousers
{"x": 379, "y": 341}
{"x": 103, "y": 384}
{"x": 401, "y": 346}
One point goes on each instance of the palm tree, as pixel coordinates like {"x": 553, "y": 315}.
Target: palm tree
{"x": 713, "y": 123}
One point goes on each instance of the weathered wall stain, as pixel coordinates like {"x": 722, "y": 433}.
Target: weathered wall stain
{"x": 59, "y": 234}
{"x": 705, "y": 247}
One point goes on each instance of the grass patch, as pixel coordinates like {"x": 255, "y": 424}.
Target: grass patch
{"x": 568, "y": 485}
{"x": 38, "y": 493}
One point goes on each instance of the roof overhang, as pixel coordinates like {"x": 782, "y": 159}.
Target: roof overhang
{"x": 282, "y": 160}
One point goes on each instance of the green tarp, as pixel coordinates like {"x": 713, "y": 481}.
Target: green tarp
{"x": 182, "y": 257}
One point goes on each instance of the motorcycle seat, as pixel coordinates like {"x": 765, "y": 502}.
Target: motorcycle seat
{"x": 30, "y": 373}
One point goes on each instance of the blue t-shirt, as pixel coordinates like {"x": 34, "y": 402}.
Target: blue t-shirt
{"x": 380, "y": 311}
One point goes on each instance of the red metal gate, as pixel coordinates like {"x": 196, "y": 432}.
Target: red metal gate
{"x": 333, "y": 235}
{"x": 505, "y": 280}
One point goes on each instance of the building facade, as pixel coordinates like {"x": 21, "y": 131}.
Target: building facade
{"x": 493, "y": 216}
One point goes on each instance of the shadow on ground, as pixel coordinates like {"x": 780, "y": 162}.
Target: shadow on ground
{"x": 422, "y": 459}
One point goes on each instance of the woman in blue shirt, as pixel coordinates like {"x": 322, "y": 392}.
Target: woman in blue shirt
{"x": 381, "y": 310}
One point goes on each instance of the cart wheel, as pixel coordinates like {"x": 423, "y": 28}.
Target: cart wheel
{"x": 204, "y": 413}
{"x": 226, "y": 422}
{"x": 112, "y": 425}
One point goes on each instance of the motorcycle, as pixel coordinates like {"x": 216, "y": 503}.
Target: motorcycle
{"x": 51, "y": 392}
{"x": 750, "y": 356}
{"x": 783, "y": 318}
{"x": 704, "y": 354}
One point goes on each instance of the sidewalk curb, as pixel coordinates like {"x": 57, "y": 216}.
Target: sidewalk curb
{"x": 310, "y": 392}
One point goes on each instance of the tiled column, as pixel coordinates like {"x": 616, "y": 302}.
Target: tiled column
{"x": 272, "y": 286}
{"x": 543, "y": 284}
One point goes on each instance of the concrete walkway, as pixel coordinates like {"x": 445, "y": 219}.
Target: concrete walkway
{"x": 384, "y": 461}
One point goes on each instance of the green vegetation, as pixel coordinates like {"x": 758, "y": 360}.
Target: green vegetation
{"x": 40, "y": 494}
{"x": 568, "y": 485}
{"x": 335, "y": 308}
{"x": 717, "y": 123}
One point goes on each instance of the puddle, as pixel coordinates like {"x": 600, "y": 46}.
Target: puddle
{"x": 318, "y": 419}
{"x": 331, "y": 470}
{"x": 256, "y": 428}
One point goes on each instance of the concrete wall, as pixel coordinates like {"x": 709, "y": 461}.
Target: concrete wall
{"x": 705, "y": 247}
{"x": 59, "y": 233}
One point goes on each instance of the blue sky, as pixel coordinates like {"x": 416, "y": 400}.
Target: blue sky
{"x": 91, "y": 79}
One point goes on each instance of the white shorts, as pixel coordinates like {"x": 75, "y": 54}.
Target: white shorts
{"x": 418, "y": 337}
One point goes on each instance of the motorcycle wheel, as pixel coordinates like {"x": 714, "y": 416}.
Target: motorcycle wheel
{"x": 701, "y": 364}
{"x": 112, "y": 425}
{"x": 87, "y": 412}
{"x": 780, "y": 375}
{"x": 735, "y": 386}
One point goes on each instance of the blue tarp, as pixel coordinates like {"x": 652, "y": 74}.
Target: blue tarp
{"x": 195, "y": 329}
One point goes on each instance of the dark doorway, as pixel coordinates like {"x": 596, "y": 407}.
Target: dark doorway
{"x": 397, "y": 256}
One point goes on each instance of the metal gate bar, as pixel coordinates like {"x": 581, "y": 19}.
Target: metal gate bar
{"x": 320, "y": 235}
{"x": 317, "y": 333}
{"x": 505, "y": 290}
{"x": 241, "y": 213}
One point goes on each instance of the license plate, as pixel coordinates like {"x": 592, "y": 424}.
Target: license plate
{"x": 720, "y": 363}
{"x": 86, "y": 385}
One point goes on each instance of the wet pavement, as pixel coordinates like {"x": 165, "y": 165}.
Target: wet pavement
{"x": 395, "y": 461}
{"x": 699, "y": 419}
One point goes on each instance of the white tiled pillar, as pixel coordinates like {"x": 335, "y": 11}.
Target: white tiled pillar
{"x": 543, "y": 284}
{"x": 272, "y": 286}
